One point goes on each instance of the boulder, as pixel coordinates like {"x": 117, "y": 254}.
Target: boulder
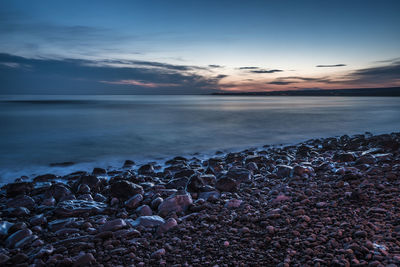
{"x": 125, "y": 189}
{"x": 178, "y": 202}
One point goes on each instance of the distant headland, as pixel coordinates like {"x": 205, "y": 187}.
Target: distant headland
{"x": 388, "y": 91}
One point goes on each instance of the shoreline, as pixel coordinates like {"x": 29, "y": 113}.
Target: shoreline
{"x": 328, "y": 201}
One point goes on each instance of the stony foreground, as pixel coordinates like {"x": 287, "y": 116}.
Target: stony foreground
{"x": 326, "y": 202}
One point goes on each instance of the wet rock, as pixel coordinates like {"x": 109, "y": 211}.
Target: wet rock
{"x": 58, "y": 224}
{"x": 175, "y": 203}
{"x": 13, "y": 239}
{"x": 17, "y": 212}
{"x": 113, "y": 225}
{"x": 92, "y": 181}
{"x": 128, "y": 164}
{"x": 99, "y": 171}
{"x": 21, "y": 201}
{"x": 125, "y": 189}
{"x": 45, "y": 178}
{"x": 147, "y": 221}
{"x": 99, "y": 197}
{"x": 71, "y": 208}
{"x": 19, "y": 188}
{"x": 177, "y": 183}
{"x": 58, "y": 191}
{"x": 4, "y": 227}
{"x": 146, "y": 169}
{"x": 39, "y": 219}
{"x": 134, "y": 201}
{"x": 184, "y": 173}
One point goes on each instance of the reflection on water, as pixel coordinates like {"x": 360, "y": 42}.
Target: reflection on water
{"x": 37, "y": 131}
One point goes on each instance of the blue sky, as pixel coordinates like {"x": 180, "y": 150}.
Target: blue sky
{"x": 351, "y": 42}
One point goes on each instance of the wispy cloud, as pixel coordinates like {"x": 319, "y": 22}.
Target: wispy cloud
{"x": 78, "y": 76}
{"x": 265, "y": 71}
{"x": 248, "y": 68}
{"x": 331, "y": 66}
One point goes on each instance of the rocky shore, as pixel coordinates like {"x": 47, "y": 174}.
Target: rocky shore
{"x": 325, "y": 202}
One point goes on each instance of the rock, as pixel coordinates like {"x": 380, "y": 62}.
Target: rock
{"x": 39, "y": 219}
{"x": 19, "y": 188}
{"x": 99, "y": 171}
{"x": 125, "y": 189}
{"x": 134, "y": 201}
{"x": 84, "y": 259}
{"x": 146, "y": 169}
{"x": 226, "y": 184}
{"x": 58, "y": 191}
{"x": 184, "y": 173}
{"x": 113, "y": 225}
{"x": 128, "y": 164}
{"x": 45, "y": 178}
{"x": 168, "y": 225}
{"x": 158, "y": 254}
{"x": 321, "y": 204}
{"x": 92, "y": 181}
{"x": 71, "y": 208}
{"x": 156, "y": 202}
{"x": 144, "y": 210}
{"x": 233, "y": 203}
{"x": 17, "y": 212}
{"x": 13, "y": 239}
{"x": 211, "y": 195}
{"x": 4, "y": 227}
{"x": 344, "y": 157}
{"x": 195, "y": 183}
{"x": 60, "y": 223}
{"x": 147, "y": 221}
{"x": 177, "y": 183}
{"x": 175, "y": 203}
{"x": 99, "y": 198}
{"x": 284, "y": 171}
{"x": 239, "y": 175}
{"x": 21, "y": 201}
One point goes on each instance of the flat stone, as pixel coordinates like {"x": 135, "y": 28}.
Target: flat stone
{"x": 147, "y": 221}
{"x": 13, "y": 239}
{"x": 113, "y": 225}
{"x": 79, "y": 207}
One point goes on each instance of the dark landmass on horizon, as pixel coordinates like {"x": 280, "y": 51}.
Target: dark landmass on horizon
{"x": 389, "y": 91}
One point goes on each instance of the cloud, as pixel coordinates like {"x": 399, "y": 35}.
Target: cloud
{"x": 265, "y": 71}
{"x": 248, "y": 68}
{"x": 389, "y": 73}
{"x": 281, "y": 82}
{"x": 331, "y": 66}
{"x": 221, "y": 76}
{"x": 79, "y": 76}
{"x": 215, "y": 66}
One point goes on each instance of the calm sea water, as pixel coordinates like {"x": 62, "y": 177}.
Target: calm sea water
{"x": 106, "y": 130}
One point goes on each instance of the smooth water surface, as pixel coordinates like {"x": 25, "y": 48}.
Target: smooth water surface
{"x": 105, "y": 130}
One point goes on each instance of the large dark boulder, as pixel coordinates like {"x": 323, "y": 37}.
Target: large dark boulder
{"x": 125, "y": 189}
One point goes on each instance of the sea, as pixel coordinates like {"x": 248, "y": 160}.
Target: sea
{"x": 37, "y": 132}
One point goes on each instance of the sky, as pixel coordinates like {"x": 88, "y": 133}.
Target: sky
{"x": 196, "y": 47}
